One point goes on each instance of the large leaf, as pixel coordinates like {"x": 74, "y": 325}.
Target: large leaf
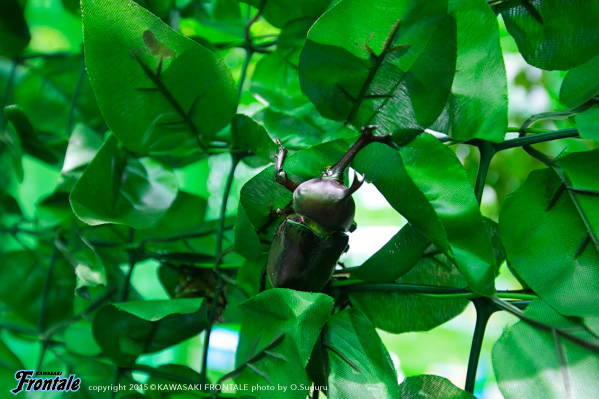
{"x": 251, "y": 135}
{"x": 554, "y": 34}
{"x": 276, "y": 341}
{"x": 83, "y": 146}
{"x": 397, "y": 312}
{"x": 529, "y": 362}
{"x": 279, "y": 12}
{"x": 301, "y": 127}
{"x": 438, "y": 200}
{"x": 247, "y": 242}
{"x": 14, "y": 33}
{"x": 359, "y": 365}
{"x": 30, "y": 141}
{"x": 355, "y": 66}
{"x": 431, "y": 386}
{"x": 580, "y": 84}
{"x": 56, "y": 90}
{"x": 478, "y": 102}
{"x": 116, "y": 188}
{"x": 157, "y": 89}
{"x": 588, "y": 123}
{"x": 550, "y": 235}
{"x": 395, "y": 258}
{"x": 126, "y": 330}
{"x": 276, "y": 77}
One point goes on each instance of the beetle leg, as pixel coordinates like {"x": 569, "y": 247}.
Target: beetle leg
{"x": 280, "y": 174}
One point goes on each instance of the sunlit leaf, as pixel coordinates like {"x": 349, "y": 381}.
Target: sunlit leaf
{"x": 116, "y": 188}
{"x": 398, "y": 312}
{"x": 554, "y": 34}
{"x": 157, "y": 89}
{"x": 565, "y": 370}
{"x": 358, "y": 362}
{"x": 289, "y": 329}
{"x": 431, "y": 386}
{"x": 126, "y": 330}
{"x": 390, "y": 64}
{"x": 562, "y": 269}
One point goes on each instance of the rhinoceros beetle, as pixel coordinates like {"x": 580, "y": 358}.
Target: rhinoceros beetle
{"x": 308, "y": 243}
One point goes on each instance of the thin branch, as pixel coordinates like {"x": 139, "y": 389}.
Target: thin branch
{"x": 484, "y": 310}
{"x": 219, "y": 256}
{"x": 487, "y": 152}
{"x": 536, "y": 138}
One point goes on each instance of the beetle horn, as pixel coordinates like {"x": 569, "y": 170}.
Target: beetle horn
{"x": 355, "y": 185}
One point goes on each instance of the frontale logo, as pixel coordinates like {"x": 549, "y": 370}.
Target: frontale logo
{"x": 25, "y": 382}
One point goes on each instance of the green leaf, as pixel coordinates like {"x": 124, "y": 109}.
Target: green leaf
{"x": 277, "y": 81}
{"x": 288, "y": 331}
{"x": 11, "y": 157}
{"x": 84, "y": 143}
{"x": 431, "y": 386}
{"x": 562, "y": 269}
{"x": 9, "y": 365}
{"x": 78, "y": 338}
{"x": 160, "y": 8}
{"x": 14, "y": 33}
{"x": 247, "y": 242}
{"x": 438, "y": 200}
{"x": 565, "y": 370}
{"x": 394, "y": 259}
{"x": 185, "y": 216}
{"x": 280, "y": 12}
{"x": 55, "y": 90}
{"x": 302, "y": 127}
{"x": 554, "y": 34}
{"x": 126, "y": 330}
{"x": 355, "y": 66}
{"x": 478, "y": 99}
{"x": 22, "y": 280}
{"x": 580, "y": 84}
{"x": 28, "y": 137}
{"x": 116, "y": 188}
{"x": 157, "y": 89}
{"x": 251, "y": 135}
{"x": 403, "y": 312}
{"x": 358, "y": 362}
{"x": 88, "y": 266}
{"x": 93, "y": 372}
{"x": 276, "y": 77}
{"x": 588, "y": 123}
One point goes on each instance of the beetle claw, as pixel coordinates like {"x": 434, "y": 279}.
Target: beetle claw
{"x": 356, "y": 184}
{"x": 280, "y": 174}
